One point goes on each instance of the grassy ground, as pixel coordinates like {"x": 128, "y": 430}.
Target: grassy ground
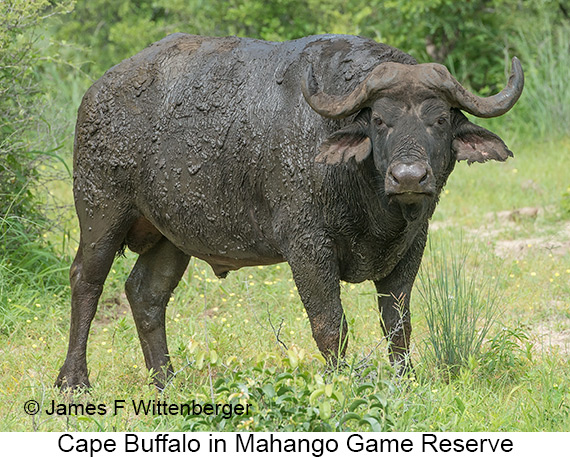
{"x": 228, "y": 337}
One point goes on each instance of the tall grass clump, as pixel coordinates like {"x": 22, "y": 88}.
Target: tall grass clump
{"x": 544, "y": 50}
{"x": 460, "y": 305}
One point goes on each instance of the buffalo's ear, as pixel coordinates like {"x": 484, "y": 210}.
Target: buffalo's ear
{"x": 350, "y": 141}
{"x": 476, "y": 144}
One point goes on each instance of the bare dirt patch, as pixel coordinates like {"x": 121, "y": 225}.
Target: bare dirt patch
{"x": 556, "y": 244}
{"x": 112, "y": 309}
{"x": 519, "y": 248}
{"x": 546, "y": 338}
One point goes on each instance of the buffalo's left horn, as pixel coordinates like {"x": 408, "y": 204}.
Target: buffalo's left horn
{"x": 339, "y": 106}
{"x": 494, "y": 105}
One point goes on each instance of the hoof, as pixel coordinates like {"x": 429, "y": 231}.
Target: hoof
{"x": 72, "y": 380}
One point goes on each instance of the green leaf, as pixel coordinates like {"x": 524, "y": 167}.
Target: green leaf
{"x": 350, "y": 416}
{"x": 325, "y": 410}
{"x": 460, "y": 404}
{"x": 372, "y": 422}
{"x": 364, "y": 387}
{"x": 356, "y": 403}
{"x": 269, "y": 391}
{"x": 316, "y": 394}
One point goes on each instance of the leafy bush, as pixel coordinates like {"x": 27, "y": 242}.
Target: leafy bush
{"x": 460, "y": 306}
{"x": 292, "y": 397}
{"x": 24, "y": 142}
{"x": 507, "y": 354}
{"x": 471, "y": 38}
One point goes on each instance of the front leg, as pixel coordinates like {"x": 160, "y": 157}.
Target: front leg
{"x": 394, "y": 303}
{"x": 316, "y": 274}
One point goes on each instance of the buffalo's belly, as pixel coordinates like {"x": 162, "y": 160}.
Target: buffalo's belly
{"x": 227, "y": 241}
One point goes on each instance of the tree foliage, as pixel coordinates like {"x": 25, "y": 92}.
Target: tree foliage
{"x": 21, "y": 95}
{"x": 473, "y": 38}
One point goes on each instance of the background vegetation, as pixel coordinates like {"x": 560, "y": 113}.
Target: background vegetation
{"x": 492, "y": 316}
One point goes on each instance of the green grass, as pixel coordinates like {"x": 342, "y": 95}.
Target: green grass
{"x": 225, "y": 335}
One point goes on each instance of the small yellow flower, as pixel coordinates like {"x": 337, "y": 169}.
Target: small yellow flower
{"x": 533, "y": 273}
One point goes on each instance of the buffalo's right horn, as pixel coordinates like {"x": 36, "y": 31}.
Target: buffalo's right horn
{"x": 339, "y": 106}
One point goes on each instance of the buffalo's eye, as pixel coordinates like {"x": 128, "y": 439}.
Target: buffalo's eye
{"x": 442, "y": 120}
{"x": 378, "y": 121}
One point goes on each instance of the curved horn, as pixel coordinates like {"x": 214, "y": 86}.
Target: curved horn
{"x": 339, "y": 106}
{"x": 495, "y": 105}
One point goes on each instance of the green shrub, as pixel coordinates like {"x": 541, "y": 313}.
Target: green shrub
{"x": 295, "y": 396}
{"x": 26, "y": 145}
{"x": 507, "y": 354}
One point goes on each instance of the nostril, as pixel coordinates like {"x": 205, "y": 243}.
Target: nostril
{"x": 424, "y": 178}
{"x": 394, "y": 178}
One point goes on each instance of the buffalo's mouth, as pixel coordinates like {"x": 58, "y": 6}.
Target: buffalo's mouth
{"x": 412, "y": 204}
{"x": 409, "y": 197}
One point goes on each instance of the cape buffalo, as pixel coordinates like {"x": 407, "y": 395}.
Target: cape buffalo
{"x": 328, "y": 152}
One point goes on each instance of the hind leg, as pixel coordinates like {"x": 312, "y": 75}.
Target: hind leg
{"x": 87, "y": 275}
{"x": 149, "y": 287}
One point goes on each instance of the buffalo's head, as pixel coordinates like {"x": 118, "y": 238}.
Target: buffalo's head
{"x": 409, "y": 117}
